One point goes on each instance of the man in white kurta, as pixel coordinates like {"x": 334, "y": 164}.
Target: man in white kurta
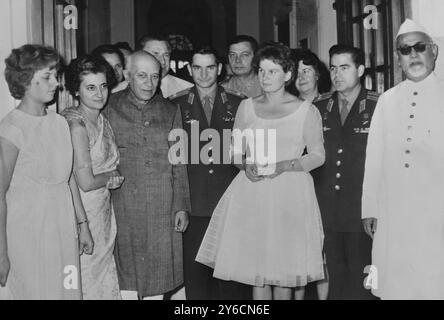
{"x": 403, "y": 190}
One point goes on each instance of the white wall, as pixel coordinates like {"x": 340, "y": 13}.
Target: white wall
{"x": 327, "y": 28}
{"x": 122, "y": 21}
{"x": 13, "y": 34}
{"x": 429, "y": 13}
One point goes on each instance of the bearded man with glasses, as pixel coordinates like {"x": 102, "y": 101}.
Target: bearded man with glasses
{"x": 403, "y": 191}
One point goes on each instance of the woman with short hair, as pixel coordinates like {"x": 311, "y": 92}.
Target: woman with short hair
{"x": 39, "y": 202}
{"x": 96, "y": 158}
{"x": 266, "y": 230}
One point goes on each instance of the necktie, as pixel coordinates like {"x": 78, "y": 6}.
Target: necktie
{"x": 207, "y": 108}
{"x": 344, "y": 111}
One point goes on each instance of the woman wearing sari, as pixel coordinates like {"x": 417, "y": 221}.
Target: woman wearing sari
{"x": 95, "y": 161}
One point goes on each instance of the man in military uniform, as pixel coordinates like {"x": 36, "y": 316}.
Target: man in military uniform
{"x": 241, "y": 51}
{"x": 207, "y": 106}
{"x": 346, "y": 117}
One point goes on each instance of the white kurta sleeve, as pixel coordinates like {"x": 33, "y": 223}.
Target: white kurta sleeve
{"x": 314, "y": 138}
{"x": 373, "y": 174}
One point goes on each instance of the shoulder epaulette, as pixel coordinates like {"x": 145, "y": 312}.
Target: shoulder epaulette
{"x": 236, "y": 93}
{"x": 372, "y": 95}
{"x": 324, "y": 96}
{"x": 180, "y": 94}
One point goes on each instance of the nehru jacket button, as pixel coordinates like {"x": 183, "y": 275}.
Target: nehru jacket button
{"x": 413, "y": 104}
{"x": 410, "y": 127}
{"x": 412, "y": 116}
{"x": 407, "y": 152}
{"x": 409, "y": 139}
{"x": 337, "y": 188}
{"x": 338, "y": 163}
{"x": 415, "y": 93}
{"x": 211, "y": 171}
{"x": 407, "y": 165}
{"x": 338, "y": 175}
{"x": 340, "y": 151}
{"x": 146, "y": 124}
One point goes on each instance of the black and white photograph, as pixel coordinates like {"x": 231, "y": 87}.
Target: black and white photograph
{"x": 221, "y": 155}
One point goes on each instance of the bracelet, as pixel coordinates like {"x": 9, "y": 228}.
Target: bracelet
{"x": 82, "y": 222}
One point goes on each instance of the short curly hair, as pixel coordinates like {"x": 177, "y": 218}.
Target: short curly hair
{"x": 84, "y": 65}
{"x": 24, "y": 62}
{"x": 279, "y": 54}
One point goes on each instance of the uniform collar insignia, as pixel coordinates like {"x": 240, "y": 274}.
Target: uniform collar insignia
{"x": 224, "y": 97}
{"x": 191, "y": 98}
{"x": 362, "y": 106}
{"x": 330, "y": 105}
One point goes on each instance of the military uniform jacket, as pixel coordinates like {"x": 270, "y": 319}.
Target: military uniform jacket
{"x": 338, "y": 183}
{"x": 208, "y": 179}
{"x": 148, "y": 250}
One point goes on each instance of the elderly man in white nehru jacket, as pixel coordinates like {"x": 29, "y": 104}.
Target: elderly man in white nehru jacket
{"x": 403, "y": 191}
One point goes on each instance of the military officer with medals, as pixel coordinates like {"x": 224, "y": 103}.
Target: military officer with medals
{"x": 346, "y": 114}
{"x": 207, "y": 106}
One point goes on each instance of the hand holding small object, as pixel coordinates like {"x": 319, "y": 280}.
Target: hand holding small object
{"x": 251, "y": 171}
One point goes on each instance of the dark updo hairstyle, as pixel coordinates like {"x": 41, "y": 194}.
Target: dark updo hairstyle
{"x": 279, "y": 54}
{"x": 309, "y": 58}
{"x": 24, "y": 62}
{"x": 82, "y": 66}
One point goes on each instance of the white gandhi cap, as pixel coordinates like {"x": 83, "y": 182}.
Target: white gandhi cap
{"x": 411, "y": 26}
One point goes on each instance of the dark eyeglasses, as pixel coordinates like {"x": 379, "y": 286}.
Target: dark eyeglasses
{"x": 419, "y": 48}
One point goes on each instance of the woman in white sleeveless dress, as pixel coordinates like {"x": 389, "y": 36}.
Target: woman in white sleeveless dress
{"x": 95, "y": 161}
{"x": 266, "y": 230}
{"x": 39, "y": 241}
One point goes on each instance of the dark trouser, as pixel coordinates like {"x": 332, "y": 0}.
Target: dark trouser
{"x": 348, "y": 253}
{"x": 199, "y": 281}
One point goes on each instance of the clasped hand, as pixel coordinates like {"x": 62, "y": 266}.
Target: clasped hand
{"x": 86, "y": 242}
{"x": 115, "y": 181}
{"x": 256, "y": 174}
